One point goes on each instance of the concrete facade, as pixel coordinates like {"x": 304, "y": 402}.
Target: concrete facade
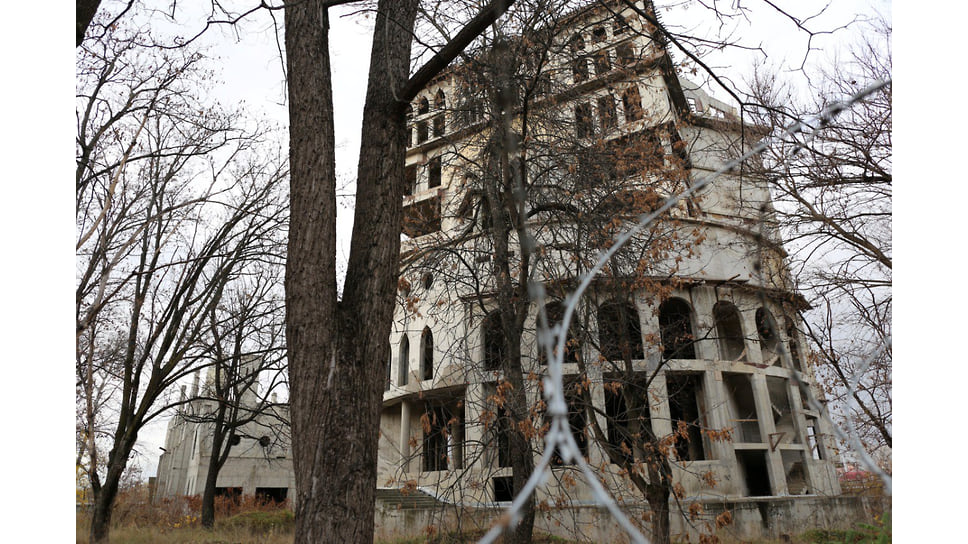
{"x": 259, "y": 464}
{"x": 756, "y": 440}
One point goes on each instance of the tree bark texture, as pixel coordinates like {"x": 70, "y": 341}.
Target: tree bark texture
{"x": 337, "y": 355}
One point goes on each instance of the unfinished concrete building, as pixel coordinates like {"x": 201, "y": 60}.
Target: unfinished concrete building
{"x": 259, "y": 462}
{"x": 713, "y": 319}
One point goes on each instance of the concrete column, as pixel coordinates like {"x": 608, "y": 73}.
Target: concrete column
{"x": 405, "y": 436}
{"x": 661, "y": 418}
{"x": 702, "y": 299}
{"x": 751, "y": 337}
{"x": 597, "y": 394}
{"x": 764, "y": 413}
{"x": 717, "y": 413}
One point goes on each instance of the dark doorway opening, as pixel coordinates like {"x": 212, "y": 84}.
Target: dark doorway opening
{"x": 271, "y": 494}
{"x": 755, "y": 474}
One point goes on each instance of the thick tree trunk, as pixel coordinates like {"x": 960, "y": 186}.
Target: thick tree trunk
{"x": 657, "y": 494}
{"x": 215, "y": 462}
{"x": 337, "y": 358}
{"x": 104, "y": 496}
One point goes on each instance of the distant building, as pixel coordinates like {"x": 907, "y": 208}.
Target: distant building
{"x": 259, "y": 464}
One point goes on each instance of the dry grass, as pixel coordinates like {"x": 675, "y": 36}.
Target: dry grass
{"x": 177, "y": 521}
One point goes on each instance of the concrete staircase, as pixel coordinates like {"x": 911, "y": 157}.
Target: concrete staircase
{"x": 399, "y": 499}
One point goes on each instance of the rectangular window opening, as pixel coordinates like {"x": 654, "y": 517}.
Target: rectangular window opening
{"x": 503, "y": 488}
{"x": 687, "y": 407}
{"x": 739, "y": 390}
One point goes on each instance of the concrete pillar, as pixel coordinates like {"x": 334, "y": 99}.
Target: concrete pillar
{"x": 405, "y": 436}
{"x": 702, "y": 299}
{"x": 660, "y": 415}
{"x": 764, "y": 413}
{"x": 717, "y": 413}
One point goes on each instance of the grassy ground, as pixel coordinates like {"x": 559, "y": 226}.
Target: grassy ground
{"x": 176, "y": 522}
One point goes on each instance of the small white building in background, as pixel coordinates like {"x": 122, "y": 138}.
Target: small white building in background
{"x": 259, "y": 464}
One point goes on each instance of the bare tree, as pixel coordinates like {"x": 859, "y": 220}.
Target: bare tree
{"x": 246, "y": 349}
{"x": 834, "y": 209}
{"x": 336, "y": 347}
{"x": 174, "y": 197}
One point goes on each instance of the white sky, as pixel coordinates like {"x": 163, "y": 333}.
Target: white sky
{"x": 39, "y": 233}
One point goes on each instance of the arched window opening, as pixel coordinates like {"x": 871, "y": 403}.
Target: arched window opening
{"x": 423, "y": 106}
{"x": 495, "y": 351}
{"x": 619, "y": 332}
{"x": 404, "y": 362}
{"x": 440, "y": 102}
{"x": 675, "y": 326}
{"x": 632, "y": 103}
{"x": 577, "y": 43}
{"x": 791, "y": 331}
{"x": 427, "y": 355}
{"x": 769, "y": 336}
{"x": 556, "y": 313}
{"x": 730, "y": 331}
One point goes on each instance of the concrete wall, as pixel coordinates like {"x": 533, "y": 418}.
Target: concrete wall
{"x": 767, "y": 518}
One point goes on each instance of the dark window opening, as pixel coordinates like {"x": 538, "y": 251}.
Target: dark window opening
{"x": 494, "y": 348}
{"x": 687, "y": 411}
{"x": 766, "y": 327}
{"x": 603, "y": 64}
{"x": 742, "y": 404}
{"x": 410, "y": 180}
{"x": 675, "y": 325}
{"x": 786, "y": 429}
{"x": 627, "y": 428}
{"x": 422, "y": 218}
{"x": 624, "y": 54}
{"x": 423, "y": 106}
{"x": 556, "y": 313}
{"x": 620, "y": 26}
{"x": 598, "y": 34}
{"x": 404, "y": 362}
{"x": 422, "y": 134}
{"x": 503, "y": 488}
{"x": 576, "y": 43}
{"x": 427, "y": 355}
{"x": 794, "y": 347}
{"x": 606, "y": 112}
{"x": 583, "y": 120}
{"x": 579, "y": 69}
{"x": 427, "y": 280}
{"x": 752, "y": 464}
{"x": 632, "y": 102}
{"x": 576, "y": 423}
{"x": 438, "y": 125}
{"x": 436, "y": 421}
{"x": 440, "y": 101}
{"x": 619, "y": 332}
{"x": 731, "y": 344}
{"x": 267, "y": 495}
{"x": 433, "y": 173}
